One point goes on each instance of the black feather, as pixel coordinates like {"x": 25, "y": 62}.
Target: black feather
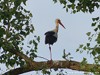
{"x": 50, "y": 38}
{"x": 50, "y": 33}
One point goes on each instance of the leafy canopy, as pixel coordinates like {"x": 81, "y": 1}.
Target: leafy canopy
{"x": 80, "y": 5}
{"x": 15, "y": 26}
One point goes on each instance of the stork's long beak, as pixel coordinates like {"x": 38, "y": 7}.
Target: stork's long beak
{"x": 61, "y": 24}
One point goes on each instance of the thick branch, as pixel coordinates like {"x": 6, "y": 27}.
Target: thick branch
{"x": 74, "y": 65}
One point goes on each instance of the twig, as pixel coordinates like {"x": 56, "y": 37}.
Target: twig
{"x": 42, "y": 57}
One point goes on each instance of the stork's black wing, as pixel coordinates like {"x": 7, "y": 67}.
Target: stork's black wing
{"x": 50, "y": 33}
{"x": 49, "y": 38}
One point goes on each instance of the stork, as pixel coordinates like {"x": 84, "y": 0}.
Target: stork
{"x": 51, "y": 36}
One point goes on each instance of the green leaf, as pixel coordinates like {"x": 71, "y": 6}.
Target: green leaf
{"x": 88, "y": 44}
{"x": 22, "y": 63}
{"x": 97, "y": 18}
{"x": 27, "y": 52}
{"x": 74, "y": 11}
{"x": 97, "y": 5}
{"x": 32, "y": 28}
{"x": 84, "y": 61}
{"x": 77, "y": 50}
{"x": 88, "y": 34}
{"x": 30, "y": 15}
{"x": 93, "y": 24}
{"x": 93, "y": 53}
{"x": 44, "y": 71}
{"x": 97, "y": 50}
{"x": 72, "y": 1}
{"x": 23, "y": 33}
{"x": 81, "y": 46}
{"x": 12, "y": 62}
{"x": 93, "y": 19}
{"x": 84, "y": 47}
{"x": 98, "y": 38}
{"x": 63, "y": 2}
{"x": 73, "y": 6}
{"x": 38, "y": 38}
{"x": 2, "y": 32}
{"x": 69, "y": 6}
{"x": 55, "y": 1}
{"x": 24, "y": 2}
{"x": 95, "y": 29}
{"x": 99, "y": 27}
{"x": 30, "y": 42}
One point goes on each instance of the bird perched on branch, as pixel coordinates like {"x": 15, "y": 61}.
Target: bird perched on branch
{"x": 51, "y": 36}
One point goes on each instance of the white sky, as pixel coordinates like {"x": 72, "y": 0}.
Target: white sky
{"x": 77, "y": 25}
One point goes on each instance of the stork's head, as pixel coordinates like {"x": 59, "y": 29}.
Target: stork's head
{"x": 59, "y": 22}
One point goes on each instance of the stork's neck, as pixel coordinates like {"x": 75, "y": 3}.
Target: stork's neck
{"x": 56, "y": 28}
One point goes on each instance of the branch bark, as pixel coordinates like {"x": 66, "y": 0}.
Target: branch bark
{"x": 74, "y": 65}
{"x": 34, "y": 66}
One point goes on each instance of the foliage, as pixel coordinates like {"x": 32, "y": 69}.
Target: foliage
{"x": 95, "y": 37}
{"x": 15, "y": 26}
{"x": 85, "y": 6}
{"x": 80, "y": 5}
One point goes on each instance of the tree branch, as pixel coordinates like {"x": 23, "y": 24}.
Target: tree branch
{"x": 18, "y": 53}
{"x": 74, "y": 65}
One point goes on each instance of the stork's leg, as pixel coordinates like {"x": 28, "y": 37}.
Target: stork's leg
{"x": 50, "y": 52}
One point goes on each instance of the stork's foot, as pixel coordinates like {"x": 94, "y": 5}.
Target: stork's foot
{"x": 50, "y": 61}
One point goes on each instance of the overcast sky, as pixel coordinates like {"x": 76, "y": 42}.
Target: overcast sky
{"x": 77, "y": 25}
